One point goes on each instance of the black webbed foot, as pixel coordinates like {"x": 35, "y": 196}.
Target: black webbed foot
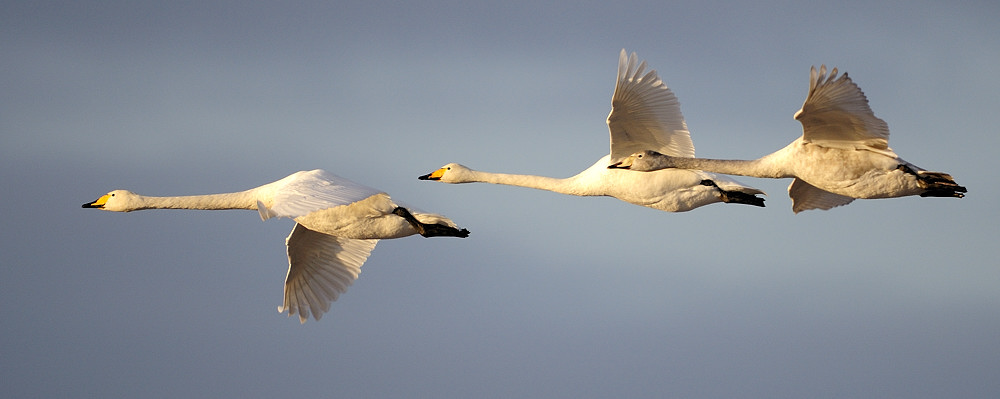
{"x": 937, "y": 184}
{"x": 430, "y": 230}
{"x": 735, "y": 197}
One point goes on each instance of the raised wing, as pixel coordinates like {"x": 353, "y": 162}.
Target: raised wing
{"x": 805, "y": 196}
{"x": 836, "y": 113}
{"x": 320, "y": 268}
{"x": 308, "y": 191}
{"x": 645, "y": 114}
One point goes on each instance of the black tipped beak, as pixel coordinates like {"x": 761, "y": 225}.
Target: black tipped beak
{"x": 99, "y": 203}
{"x": 428, "y": 177}
{"x": 617, "y": 165}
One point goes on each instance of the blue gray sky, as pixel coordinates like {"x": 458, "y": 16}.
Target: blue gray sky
{"x": 552, "y": 295}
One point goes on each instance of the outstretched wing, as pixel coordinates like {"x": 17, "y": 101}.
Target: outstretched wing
{"x": 836, "y": 113}
{"x": 805, "y": 196}
{"x": 320, "y": 268}
{"x": 308, "y": 191}
{"x": 645, "y": 114}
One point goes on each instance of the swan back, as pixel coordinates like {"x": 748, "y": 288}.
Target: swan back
{"x": 645, "y": 113}
{"x": 304, "y": 192}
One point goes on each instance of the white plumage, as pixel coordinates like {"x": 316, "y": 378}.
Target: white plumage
{"x": 843, "y": 154}
{"x": 338, "y": 223}
{"x": 644, "y": 114}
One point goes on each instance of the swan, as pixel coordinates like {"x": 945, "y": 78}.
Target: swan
{"x": 644, "y": 114}
{"x": 337, "y": 224}
{"x": 843, "y": 154}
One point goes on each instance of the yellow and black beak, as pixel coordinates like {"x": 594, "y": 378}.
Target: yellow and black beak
{"x": 435, "y": 175}
{"x": 99, "y": 203}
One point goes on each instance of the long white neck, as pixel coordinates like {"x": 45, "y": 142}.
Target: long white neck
{"x": 240, "y": 200}
{"x": 763, "y": 167}
{"x": 571, "y": 186}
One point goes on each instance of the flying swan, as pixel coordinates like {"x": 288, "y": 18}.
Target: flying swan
{"x": 337, "y": 224}
{"x": 843, "y": 154}
{"x": 644, "y": 114}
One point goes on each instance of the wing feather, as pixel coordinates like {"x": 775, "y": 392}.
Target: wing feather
{"x": 836, "y": 113}
{"x": 805, "y": 196}
{"x": 320, "y": 268}
{"x": 308, "y": 191}
{"x": 645, "y": 114}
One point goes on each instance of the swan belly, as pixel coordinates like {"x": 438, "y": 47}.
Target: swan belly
{"x": 688, "y": 198}
{"x": 855, "y": 173}
{"x": 671, "y": 190}
{"x": 370, "y": 218}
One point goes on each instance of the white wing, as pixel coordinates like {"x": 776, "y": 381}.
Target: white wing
{"x": 836, "y": 113}
{"x": 805, "y": 196}
{"x": 308, "y": 191}
{"x": 320, "y": 268}
{"x": 645, "y": 114}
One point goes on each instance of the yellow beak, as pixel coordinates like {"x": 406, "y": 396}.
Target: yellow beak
{"x": 435, "y": 175}
{"x": 99, "y": 203}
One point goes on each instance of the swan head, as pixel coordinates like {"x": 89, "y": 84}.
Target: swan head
{"x": 450, "y": 173}
{"x": 116, "y": 201}
{"x": 643, "y": 161}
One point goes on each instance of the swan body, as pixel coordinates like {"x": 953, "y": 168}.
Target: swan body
{"x": 645, "y": 114}
{"x": 671, "y": 192}
{"x": 337, "y": 224}
{"x": 843, "y": 154}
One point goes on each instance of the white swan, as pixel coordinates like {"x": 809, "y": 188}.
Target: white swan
{"x": 338, "y": 223}
{"x": 843, "y": 154}
{"x": 644, "y": 114}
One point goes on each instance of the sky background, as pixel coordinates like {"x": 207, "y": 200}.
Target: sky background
{"x": 552, "y": 295}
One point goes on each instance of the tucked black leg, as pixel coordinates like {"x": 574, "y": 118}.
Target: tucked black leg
{"x": 735, "y": 197}
{"x": 937, "y": 184}
{"x": 430, "y": 230}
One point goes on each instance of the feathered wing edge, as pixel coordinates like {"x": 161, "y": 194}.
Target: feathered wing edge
{"x": 320, "y": 268}
{"x": 645, "y": 113}
{"x": 805, "y": 196}
{"x": 836, "y": 113}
